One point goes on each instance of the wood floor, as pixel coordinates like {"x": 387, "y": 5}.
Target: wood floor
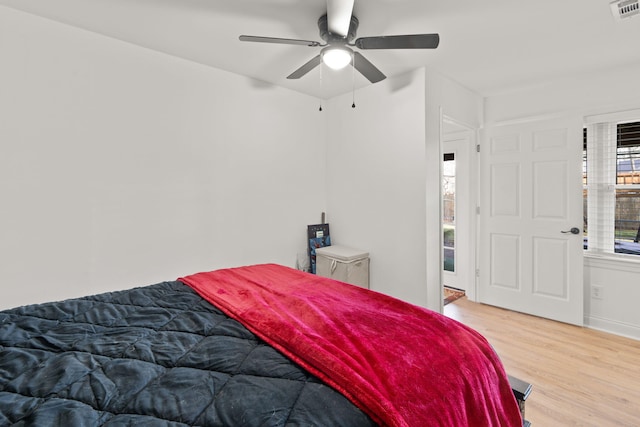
{"x": 580, "y": 377}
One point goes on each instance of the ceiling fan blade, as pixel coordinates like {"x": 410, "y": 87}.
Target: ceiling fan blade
{"x": 339, "y": 16}
{"x": 313, "y": 63}
{"x": 367, "y": 69}
{"x": 413, "y": 41}
{"x": 260, "y": 39}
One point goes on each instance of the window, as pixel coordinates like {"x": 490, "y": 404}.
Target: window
{"x": 611, "y": 179}
{"x": 449, "y": 211}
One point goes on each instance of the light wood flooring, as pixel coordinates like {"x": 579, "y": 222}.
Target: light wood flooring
{"x": 580, "y": 376}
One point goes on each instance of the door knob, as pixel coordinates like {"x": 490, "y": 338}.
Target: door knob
{"x": 574, "y": 230}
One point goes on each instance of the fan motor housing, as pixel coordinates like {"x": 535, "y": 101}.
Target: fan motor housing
{"x": 329, "y": 37}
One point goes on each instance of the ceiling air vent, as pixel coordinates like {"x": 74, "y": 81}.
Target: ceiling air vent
{"x": 623, "y": 9}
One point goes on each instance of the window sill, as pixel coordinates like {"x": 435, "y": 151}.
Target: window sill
{"x": 613, "y": 261}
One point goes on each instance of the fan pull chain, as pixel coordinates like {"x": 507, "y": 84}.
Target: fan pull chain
{"x": 320, "y": 109}
{"x": 353, "y": 79}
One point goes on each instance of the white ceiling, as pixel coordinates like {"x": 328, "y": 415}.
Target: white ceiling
{"x": 489, "y": 46}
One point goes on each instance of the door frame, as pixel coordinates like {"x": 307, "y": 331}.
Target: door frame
{"x": 453, "y": 128}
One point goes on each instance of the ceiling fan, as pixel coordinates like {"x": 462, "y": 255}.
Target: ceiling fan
{"x": 338, "y": 30}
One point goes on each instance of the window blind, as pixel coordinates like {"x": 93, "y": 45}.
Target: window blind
{"x": 601, "y": 178}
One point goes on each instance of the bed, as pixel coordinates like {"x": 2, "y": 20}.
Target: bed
{"x": 261, "y": 345}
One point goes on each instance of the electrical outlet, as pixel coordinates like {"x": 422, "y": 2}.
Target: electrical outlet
{"x": 596, "y": 292}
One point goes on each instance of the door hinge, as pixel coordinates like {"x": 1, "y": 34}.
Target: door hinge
{"x": 478, "y": 148}
{"x": 477, "y": 210}
{"x": 477, "y": 272}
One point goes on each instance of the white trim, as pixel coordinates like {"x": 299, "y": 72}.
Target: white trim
{"x": 620, "y": 262}
{"x": 613, "y": 327}
{"x": 559, "y": 115}
{"x": 440, "y": 210}
{"x": 619, "y": 116}
{"x": 464, "y": 126}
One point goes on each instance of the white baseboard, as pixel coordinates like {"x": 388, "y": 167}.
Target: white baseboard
{"x": 613, "y": 326}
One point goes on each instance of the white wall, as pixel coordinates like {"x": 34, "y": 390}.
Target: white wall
{"x": 587, "y": 95}
{"x": 617, "y": 310}
{"x": 121, "y": 166}
{"x": 376, "y": 181}
{"x": 383, "y": 177}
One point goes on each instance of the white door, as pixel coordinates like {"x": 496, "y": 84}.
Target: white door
{"x": 457, "y": 212}
{"x": 531, "y": 197}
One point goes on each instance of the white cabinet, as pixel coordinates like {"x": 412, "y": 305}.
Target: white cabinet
{"x": 344, "y": 264}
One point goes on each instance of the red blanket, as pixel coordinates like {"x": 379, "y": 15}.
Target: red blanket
{"x": 401, "y": 364}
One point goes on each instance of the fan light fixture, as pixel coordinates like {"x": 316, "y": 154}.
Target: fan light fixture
{"x": 336, "y": 57}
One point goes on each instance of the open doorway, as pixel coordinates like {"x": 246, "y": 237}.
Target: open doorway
{"x": 458, "y": 212}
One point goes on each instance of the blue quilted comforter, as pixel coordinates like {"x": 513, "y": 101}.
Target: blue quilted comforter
{"x": 157, "y": 355}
